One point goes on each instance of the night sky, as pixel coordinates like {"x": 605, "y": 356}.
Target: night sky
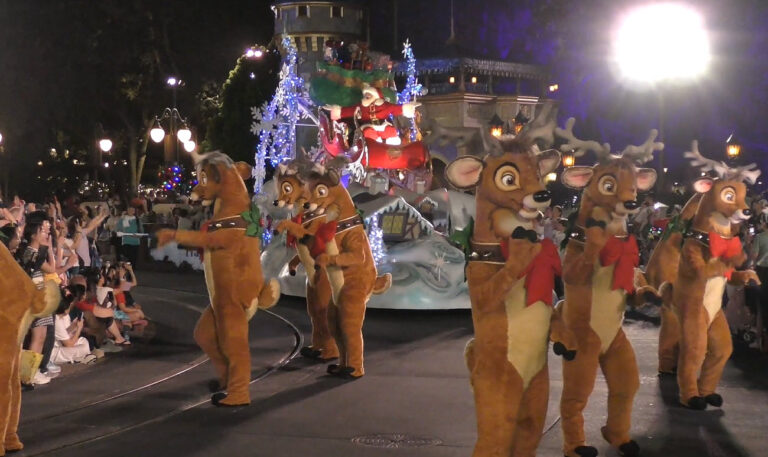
{"x": 48, "y": 81}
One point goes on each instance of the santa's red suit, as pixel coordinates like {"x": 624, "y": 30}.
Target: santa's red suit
{"x": 374, "y": 118}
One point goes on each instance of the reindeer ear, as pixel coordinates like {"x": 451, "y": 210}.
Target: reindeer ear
{"x": 548, "y": 161}
{"x": 702, "y": 185}
{"x": 577, "y": 177}
{"x": 464, "y": 172}
{"x": 333, "y": 175}
{"x": 281, "y": 169}
{"x": 244, "y": 170}
{"x": 646, "y": 178}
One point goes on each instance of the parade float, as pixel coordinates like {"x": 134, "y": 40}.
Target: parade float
{"x": 361, "y": 117}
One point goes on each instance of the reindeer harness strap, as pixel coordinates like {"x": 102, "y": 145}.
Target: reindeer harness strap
{"x": 232, "y": 222}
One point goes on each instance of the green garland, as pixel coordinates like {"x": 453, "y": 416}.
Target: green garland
{"x": 253, "y": 217}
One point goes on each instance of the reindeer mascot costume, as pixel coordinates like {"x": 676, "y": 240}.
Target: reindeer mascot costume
{"x": 341, "y": 251}
{"x": 710, "y": 252}
{"x": 232, "y": 263}
{"x": 292, "y": 193}
{"x": 598, "y": 272}
{"x": 510, "y": 274}
{"x": 20, "y": 300}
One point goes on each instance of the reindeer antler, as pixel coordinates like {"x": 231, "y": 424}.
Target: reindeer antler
{"x": 580, "y": 147}
{"x": 542, "y": 127}
{"x": 746, "y": 173}
{"x": 698, "y": 160}
{"x": 643, "y": 153}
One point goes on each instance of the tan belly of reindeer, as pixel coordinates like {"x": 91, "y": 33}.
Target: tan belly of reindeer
{"x": 607, "y": 306}
{"x": 713, "y": 296}
{"x": 335, "y": 274}
{"x": 208, "y": 271}
{"x": 307, "y": 261}
{"x": 527, "y": 333}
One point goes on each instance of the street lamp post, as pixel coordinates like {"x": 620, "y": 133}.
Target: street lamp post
{"x": 676, "y": 50}
{"x": 183, "y": 135}
{"x": 105, "y": 145}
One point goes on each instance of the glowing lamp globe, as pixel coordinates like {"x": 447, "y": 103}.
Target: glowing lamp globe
{"x": 1, "y": 137}
{"x": 568, "y": 160}
{"x": 157, "y": 134}
{"x": 661, "y": 42}
{"x": 105, "y": 144}
{"x": 184, "y": 135}
{"x": 732, "y": 147}
{"x": 189, "y": 146}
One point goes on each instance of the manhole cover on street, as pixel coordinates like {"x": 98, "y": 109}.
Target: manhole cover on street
{"x": 394, "y": 440}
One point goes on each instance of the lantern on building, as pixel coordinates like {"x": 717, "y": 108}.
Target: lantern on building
{"x": 520, "y": 121}
{"x": 496, "y": 125}
{"x": 569, "y": 159}
{"x": 732, "y": 147}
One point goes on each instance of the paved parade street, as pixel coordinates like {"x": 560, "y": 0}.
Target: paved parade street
{"x": 414, "y": 400}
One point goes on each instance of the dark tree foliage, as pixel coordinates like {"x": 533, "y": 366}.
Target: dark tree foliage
{"x": 250, "y": 84}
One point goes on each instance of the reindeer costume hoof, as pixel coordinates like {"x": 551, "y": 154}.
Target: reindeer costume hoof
{"x": 696, "y": 403}
{"x": 584, "y": 451}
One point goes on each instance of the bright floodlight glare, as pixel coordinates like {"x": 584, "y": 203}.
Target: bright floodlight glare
{"x": 157, "y": 134}
{"x": 105, "y": 144}
{"x": 660, "y": 42}
{"x": 1, "y": 137}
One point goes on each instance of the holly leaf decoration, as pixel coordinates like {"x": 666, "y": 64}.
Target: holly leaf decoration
{"x": 253, "y": 218}
{"x": 460, "y": 238}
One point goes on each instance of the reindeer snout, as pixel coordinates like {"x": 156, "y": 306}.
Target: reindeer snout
{"x": 306, "y": 205}
{"x": 276, "y": 202}
{"x": 542, "y": 196}
{"x": 631, "y": 205}
{"x": 747, "y": 212}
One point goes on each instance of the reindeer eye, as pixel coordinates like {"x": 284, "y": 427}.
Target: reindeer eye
{"x": 728, "y": 195}
{"x": 203, "y": 178}
{"x": 507, "y": 178}
{"x": 287, "y": 188}
{"x": 321, "y": 190}
{"x": 607, "y": 185}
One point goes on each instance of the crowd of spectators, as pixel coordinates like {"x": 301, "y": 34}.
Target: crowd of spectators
{"x": 89, "y": 250}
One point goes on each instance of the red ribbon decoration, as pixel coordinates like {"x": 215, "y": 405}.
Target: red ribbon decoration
{"x": 324, "y": 234}
{"x": 290, "y": 240}
{"x": 724, "y": 247}
{"x": 625, "y": 254}
{"x": 540, "y": 274}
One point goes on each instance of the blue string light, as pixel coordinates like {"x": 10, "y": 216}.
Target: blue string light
{"x": 376, "y": 239}
{"x": 275, "y": 123}
{"x": 412, "y": 87}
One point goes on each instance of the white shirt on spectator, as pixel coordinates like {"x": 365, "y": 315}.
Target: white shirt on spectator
{"x": 64, "y": 354}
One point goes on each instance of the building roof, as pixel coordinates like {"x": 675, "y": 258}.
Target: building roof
{"x": 310, "y": 2}
{"x": 478, "y": 66}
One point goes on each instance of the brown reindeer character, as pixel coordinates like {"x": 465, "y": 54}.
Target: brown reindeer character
{"x": 232, "y": 264}
{"x": 709, "y": 254}
{"x": 598, "y": 272}
{"x": 662, "y": 268}
{"x": 340, "y": 248}
{"x": 510, "y": 274}
{"x": 292, "y": 192}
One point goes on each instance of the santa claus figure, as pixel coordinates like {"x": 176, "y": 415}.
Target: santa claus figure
{"x": 373, "y": 114}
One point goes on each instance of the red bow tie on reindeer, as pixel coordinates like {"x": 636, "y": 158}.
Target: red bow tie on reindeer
{"x": 723, "y": 204}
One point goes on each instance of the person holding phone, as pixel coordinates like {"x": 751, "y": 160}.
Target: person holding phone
{"x": 70, "y": 346}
